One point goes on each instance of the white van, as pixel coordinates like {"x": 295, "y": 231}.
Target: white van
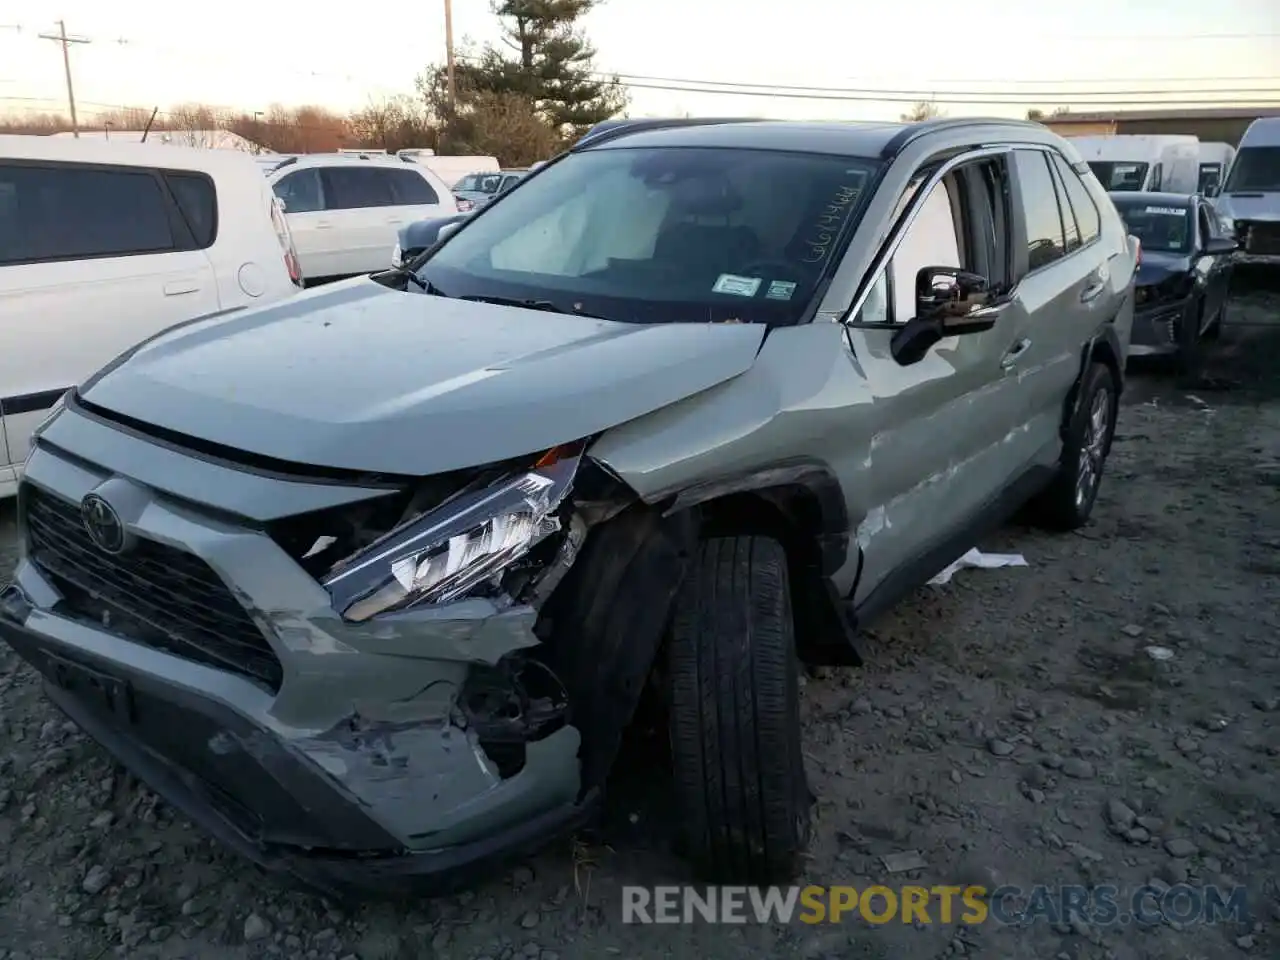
{"x": 345, "y": 210}
{"x": 1215, "y": 164}
{"x": 104, "y": 244}
{"x": 1169, "y": 163}
{"x": 1250, "y": 197}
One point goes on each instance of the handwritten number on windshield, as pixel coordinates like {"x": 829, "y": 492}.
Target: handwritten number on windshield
{"x": 831, "y": 218}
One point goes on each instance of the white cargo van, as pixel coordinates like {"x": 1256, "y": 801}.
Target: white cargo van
{"x": 106, "y": 243}
{"x": 1215, "y": 164}
{"x": 1131, "y": 162}
{"x": 1250, "y": 197}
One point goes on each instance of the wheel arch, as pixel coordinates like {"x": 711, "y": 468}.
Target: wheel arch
{"x": 1103, "y": 347}
{"x": 801, "y": 504}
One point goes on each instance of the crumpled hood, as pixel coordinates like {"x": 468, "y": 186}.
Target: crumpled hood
{"x": 358, "y": 376}
{"x": 1157, "y": 267}
{"x": 1249, "y": 205}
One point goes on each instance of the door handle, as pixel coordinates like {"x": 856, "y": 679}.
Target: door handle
{"x": 175, "y": 288}
{"x": 322, "y": 224}
{"x": 1010, "y": 359}
{"x": 394, "y": 220}
{"x": 1097, "y": 283}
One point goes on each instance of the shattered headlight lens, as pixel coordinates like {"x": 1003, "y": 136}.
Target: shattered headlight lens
{"x": 446, "y": 552}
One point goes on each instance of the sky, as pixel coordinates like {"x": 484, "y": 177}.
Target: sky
{"x": 247, "y": 54}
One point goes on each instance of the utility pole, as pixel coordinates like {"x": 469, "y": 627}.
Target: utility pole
{"x": 448, "y": 53}
{"x": 62, "y": 38}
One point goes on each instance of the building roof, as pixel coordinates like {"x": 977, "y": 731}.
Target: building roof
{"x": 1191, "y": 113}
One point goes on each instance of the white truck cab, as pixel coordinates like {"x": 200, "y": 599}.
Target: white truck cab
{"x": 1132, "y": 162}
{"x": 1250, "y": 196}
{"x": 1215, "y": 164}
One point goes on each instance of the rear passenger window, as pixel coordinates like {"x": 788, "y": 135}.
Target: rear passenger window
{"x": 1070, "y": 230}
{"x": 412, "y": 188}
{"x": 67, "y": 212}
{"x": 349, "y": 188}
{"x": 1088, "y": 220}
{"x": 1045, "y": 241}
{"x": 301, "y": 191}
{"x": 198, "y": 200}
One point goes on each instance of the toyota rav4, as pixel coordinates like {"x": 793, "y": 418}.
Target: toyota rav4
{"x": 370, "y": 583}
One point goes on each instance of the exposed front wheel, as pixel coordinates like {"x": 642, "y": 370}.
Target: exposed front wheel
{"x": 735, "y": 715}
{"x": 1068, "y": 501}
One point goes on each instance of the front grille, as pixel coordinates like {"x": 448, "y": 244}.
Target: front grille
{"x": 1263, "y": 238}
{"x": 155, "y": 594}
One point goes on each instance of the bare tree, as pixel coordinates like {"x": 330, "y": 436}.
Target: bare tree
{"x": 924, "y": 110}
{"x": 393, "y": 124}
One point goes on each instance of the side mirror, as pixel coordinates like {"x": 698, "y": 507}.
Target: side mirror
{"x": 448, "y": 230}
{"x": 1220, "y": 246}
{"x": 949, "y": 302}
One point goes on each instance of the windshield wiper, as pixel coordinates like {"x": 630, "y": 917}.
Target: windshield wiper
{"x": 544, "y": 305}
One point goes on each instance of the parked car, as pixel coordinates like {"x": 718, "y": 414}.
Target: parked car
{"x": 478, "y": 189}
{"x": 1181, "y": 289}
{"x": 344, "y": 209}
{"x": 1250, "y": 199}
{"x": 383, "y": 574}
{"x": 103, "y": 244}
{"x": 1215, "y": 164}
{"x": 1140, "y": 162}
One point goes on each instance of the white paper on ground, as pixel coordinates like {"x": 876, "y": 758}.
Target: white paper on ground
{"x": 983, "y": 561}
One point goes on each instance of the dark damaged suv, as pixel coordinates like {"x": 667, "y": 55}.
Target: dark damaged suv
{"x": 370, "y": 583}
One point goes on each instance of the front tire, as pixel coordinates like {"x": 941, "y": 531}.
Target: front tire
{"x": 1067, "y": 502}
{"x": 735, "y": 715}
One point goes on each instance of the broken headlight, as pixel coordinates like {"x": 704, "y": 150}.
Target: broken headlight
{"x": 446, "y": 552}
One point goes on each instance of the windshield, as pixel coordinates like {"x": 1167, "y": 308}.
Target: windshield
{"x": 1161, "y": 229}
{"x": 663, "y": 234}
{"x": 1255, "y": 168}
{"x": 478, "y": 183}
{"x": 1119, "y": 174}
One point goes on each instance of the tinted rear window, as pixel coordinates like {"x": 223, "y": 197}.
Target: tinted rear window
{"x": 198, "y": 200}
{"x": 66, "y": 212}
{"x": 412, "y": 188}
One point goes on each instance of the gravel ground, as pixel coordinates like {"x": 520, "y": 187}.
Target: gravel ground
{"x": 1011, "y": 727}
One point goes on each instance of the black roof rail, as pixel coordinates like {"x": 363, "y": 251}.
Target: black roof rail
{"x": 612, "y": 129}
{"x": 283, "y": 163}
{"x": 913, "y": 131}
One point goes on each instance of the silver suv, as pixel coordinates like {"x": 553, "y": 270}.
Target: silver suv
{"x": 370, "y": 583}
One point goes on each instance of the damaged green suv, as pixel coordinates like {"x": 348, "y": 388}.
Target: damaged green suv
{"x": 370, "y": 583}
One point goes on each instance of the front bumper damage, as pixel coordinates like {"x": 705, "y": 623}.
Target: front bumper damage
{"x": 422, "y": 749}
{"x": 1157, "y": 326}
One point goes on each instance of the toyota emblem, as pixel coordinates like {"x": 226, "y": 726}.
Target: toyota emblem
{"x": 103, "y": 524}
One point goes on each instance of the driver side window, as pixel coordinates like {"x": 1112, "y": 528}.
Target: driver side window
{"x": 932, "y": 240}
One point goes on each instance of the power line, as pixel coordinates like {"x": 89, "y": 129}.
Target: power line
{"x": 942, "y": 96}
{"x": 65, "y": 41}
{"x": 765, "y": 89}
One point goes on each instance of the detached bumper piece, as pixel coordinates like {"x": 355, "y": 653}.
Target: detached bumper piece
{"x": 250, "y": 791}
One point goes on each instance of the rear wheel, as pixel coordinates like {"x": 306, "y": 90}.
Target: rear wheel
{"x": 1068, "y": 501}
{"x": 735, "y": 715}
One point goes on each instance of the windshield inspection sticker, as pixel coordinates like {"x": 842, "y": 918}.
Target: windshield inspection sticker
{"x": 737, "y": 286}
{"x": 780, "y": 290}
{"x": 1167, "y": 211}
